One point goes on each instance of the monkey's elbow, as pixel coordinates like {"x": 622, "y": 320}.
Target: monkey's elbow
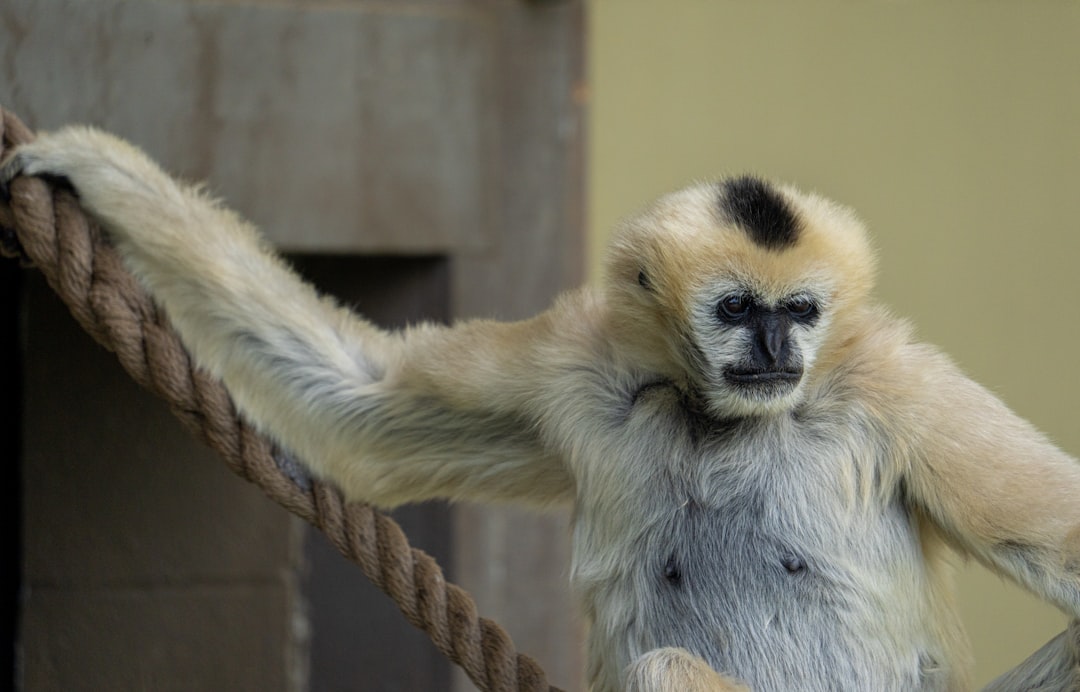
{"x": 370, "y": 370}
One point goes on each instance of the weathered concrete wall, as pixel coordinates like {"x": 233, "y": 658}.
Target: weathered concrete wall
{"x": 346, "y": 127}
{"x": 147, "y": 564}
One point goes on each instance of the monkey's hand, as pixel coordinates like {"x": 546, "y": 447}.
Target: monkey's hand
{"x": 101, "y": 168}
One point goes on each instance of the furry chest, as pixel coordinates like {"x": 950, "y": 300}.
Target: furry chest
{"x": 745, "y": 554}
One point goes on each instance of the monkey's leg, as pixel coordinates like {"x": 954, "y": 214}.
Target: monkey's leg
{"x": 670, "y": 669}
{"x": 1053, "y": 668}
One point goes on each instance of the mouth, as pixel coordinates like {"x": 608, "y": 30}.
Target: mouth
{"x": 761, "y": 378}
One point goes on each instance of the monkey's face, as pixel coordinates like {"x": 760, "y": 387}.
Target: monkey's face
{"x": 750, "y": 349}
{"x": 733, "y": 288}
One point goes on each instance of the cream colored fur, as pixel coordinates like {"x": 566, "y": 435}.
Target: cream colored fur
{"x": 793, "y": 541}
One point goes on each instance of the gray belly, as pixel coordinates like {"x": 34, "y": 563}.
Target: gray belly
{"x": 773, "y": 599}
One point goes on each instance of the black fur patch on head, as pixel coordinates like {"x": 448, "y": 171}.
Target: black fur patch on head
{"x": 759, "y": 209}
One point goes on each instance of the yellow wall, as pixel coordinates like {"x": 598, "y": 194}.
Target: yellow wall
{"x": 952, "y": 127}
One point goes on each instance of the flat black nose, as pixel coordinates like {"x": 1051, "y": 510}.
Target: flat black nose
{"x": 771, "y": 347}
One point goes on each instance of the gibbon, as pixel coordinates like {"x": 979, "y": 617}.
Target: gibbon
{"x": 767, "y": 472}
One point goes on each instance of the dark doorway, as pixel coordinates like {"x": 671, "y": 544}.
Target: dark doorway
{"x": 357, "y": 632}
{"x": 10, "y": 452}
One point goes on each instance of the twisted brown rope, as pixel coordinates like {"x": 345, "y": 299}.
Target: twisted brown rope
{"x": 44, "y": 225}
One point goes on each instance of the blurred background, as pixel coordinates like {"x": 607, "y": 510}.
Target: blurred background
{"x": 951, "y": 127}
{"x": 443, "y": 159}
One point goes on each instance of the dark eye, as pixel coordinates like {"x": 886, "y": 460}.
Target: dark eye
{"x": 733, "y": 307}
{"x": 643, "y": 281}
{"x": 801, "y": 307}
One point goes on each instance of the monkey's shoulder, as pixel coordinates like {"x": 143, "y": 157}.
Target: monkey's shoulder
{"x": 880, "y": 368}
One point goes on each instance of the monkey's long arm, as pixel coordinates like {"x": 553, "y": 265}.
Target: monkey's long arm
{"x": 997, "y": 486}
{"x": 389, "y": 417}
